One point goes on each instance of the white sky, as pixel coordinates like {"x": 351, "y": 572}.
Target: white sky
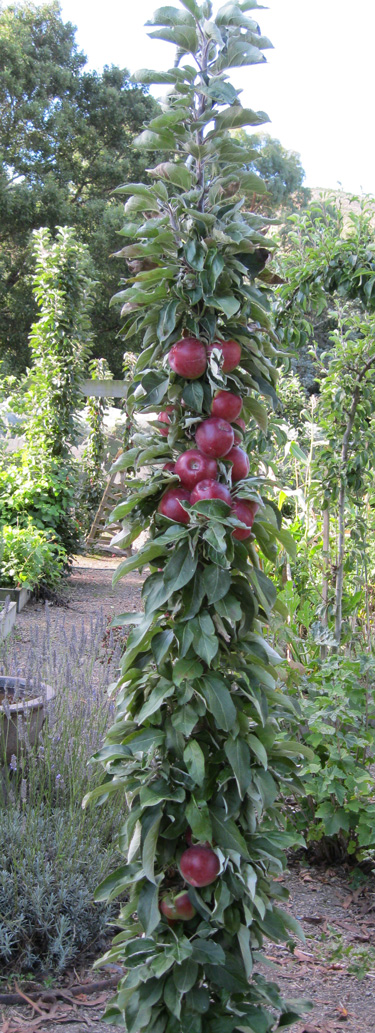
{"x": 317, "y": 87}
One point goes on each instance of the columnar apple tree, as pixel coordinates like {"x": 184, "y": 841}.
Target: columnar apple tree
{"x": 196, "y": 746}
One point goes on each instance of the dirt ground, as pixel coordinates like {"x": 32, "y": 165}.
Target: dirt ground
{"x": 334, "y": 968}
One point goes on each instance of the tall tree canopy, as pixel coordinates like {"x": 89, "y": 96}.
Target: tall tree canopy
{"x": 281, "y": 169}
{"x": 65, "y": 137}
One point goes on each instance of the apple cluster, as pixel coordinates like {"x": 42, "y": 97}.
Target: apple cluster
{"x": 199, "y": 866}
{"x": 215, "y": 438}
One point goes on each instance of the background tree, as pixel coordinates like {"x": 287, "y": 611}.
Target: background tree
{"x": 280, "y": 169}
{"x": 65, "y": 137}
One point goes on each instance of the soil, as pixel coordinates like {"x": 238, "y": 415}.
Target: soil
{"x": 334, "y": 968}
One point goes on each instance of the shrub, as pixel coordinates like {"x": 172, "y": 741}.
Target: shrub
{"x": 338, "y": 716}
{"x": 44, "y": 497}
{"x": 29, "y": 556}
{"x": 49, "y": 868}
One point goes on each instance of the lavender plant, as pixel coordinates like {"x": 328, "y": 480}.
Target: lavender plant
{"x": 53, "y": 852}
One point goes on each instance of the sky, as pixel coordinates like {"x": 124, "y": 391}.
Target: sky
{"x": 317, "y": 86}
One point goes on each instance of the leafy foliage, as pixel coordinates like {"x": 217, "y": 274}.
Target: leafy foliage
{"x": 28, "y": 556}
{"x": 196, "y": 745}
{"x": 338, "y": 706}
{"x": 40, "y": 484}
{"x": 65, "y": 136}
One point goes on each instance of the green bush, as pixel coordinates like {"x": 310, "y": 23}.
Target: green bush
{"x": 338, "y": 717}
{"x": 29, "y": 556}
{"x": 43, "y": 496}
{"x": 49, "y": 869}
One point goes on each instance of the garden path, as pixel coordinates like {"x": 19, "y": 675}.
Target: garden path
{"x": 335, "y": 968}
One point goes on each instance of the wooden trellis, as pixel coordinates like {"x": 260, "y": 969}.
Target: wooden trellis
{"x": 101, "y": 533}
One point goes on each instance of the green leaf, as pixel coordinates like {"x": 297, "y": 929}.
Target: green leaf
{"x": 238, "y": 754}
{"x": 194, "y": 760}
{"x": 215, "y": 508}
{"x": 185, "y": 975}
{"x": 244, "y": 942}
{"x": 199, "y": 820}
{"x": 225, "y": 303}
{"x": 170, "y": 16}
{"x": 257, "y": 411}
{"x": 144, "y": 556}
{"x": 124, "y": 619}
{"x": 207, "y": 951}
{"x": 205, "y": 640}
{"x": 192, "y": 7}
{"x": 236, "y": 117}
{"x": 258, "y": 749}
{"x": 238, "y": 53}
{"x": 195, "y": 254}
{"x": 174, "y": 173}
{"x": 181, "y": 568}
{"x": 216, "y": 582}
{"x": 172, "y": 998}
{"x": 297, "y": 453}
{"x": 265, "y": 588}
{"x": 161, "y": 645}
{"x": 193, "y": 395}
{"x": 117, "y": 881}
{"x": 229, "y": 607}
{"x": 150, "y": 77}
{"x": 155, "y": 700}
{"x": 219, "y": 701}
{"x": 287, "y": 541}
{"x": 189, "y": 669}
{"x": 150, "y": 831}
{"x": 150, "y": 142}
{"x": 155, "y": 384}
{"x": 148, "y": 908}
{"x": 183, "y": 36}
{"x": 167, "y": 320}
{"x": 226, "y": 834}
{"x": 147, "y": 739}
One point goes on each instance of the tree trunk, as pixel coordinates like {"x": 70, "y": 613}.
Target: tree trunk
{"x": 326, "y": 514}
{"x": 341, "y": 516}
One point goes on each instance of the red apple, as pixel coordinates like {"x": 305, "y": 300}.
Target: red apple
{"x": 170, "y": 467}
{"x": 164, "y": 418}
{"x": 188, "y": 358}
{"x": 185, "y": 909}
{"x": 169, "y": 505}
{"x": 231, "y": 352}
{"x": 193, "y": 466}
{"x": 210, "y": 489}
{"x": 215, "y": 437}
{"x": 226, "y": 405}
{"x": 240, "y": 460}
{"x": 199, "y": 865}
{"x": 244, "y": 511}
{"x": 177, "y": 908}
